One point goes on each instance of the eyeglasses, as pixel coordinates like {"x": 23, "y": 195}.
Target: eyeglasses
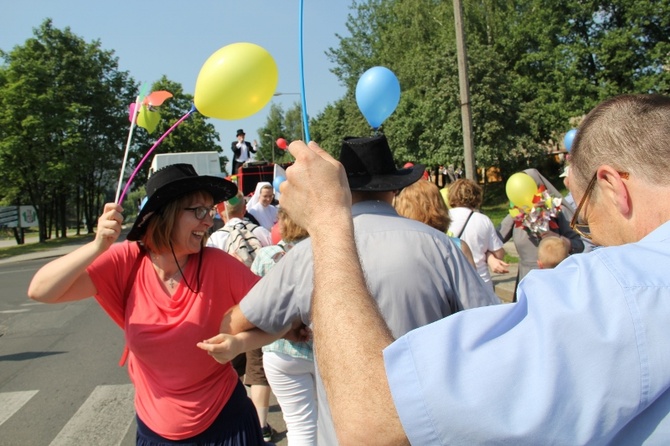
{"x": 202, "y": 211}
{"x": 583, "y": 228}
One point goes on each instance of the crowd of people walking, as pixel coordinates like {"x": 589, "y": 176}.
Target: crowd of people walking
{"x": 364, "y": 300}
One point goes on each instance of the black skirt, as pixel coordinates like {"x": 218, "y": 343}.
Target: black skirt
{"x": 236, "y": 425}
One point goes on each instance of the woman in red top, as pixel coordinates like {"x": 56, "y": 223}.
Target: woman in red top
{"x": 168, "y": 292}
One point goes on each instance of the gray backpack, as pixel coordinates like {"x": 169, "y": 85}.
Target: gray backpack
{"x": 241, "y": 242}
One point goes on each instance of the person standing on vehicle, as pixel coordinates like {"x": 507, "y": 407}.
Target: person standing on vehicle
{"x": 242, "y": 151}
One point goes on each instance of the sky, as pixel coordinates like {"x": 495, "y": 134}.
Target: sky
{"x": 152, "y": 38}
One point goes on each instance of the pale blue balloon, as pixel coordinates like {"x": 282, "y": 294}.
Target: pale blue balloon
{"x": 569, "y": 137}
{"x": 277, "y": 182}
{"x": 377, "y": 95}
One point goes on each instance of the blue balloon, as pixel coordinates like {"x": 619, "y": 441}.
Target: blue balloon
{"x": 277, "y": 182}
{"x": 569, "y": 137}
{"x": 377, "y": 95}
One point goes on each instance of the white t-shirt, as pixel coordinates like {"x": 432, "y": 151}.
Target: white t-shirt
{"x": 479, "y": 234}
{"x": 244, "y": 152}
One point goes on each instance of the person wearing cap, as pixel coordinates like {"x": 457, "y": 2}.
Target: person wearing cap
{"x": 242, "y": 151}
{"x": 581, "y": 359}
{"x": 167, "y": 292}
{"x": 417, "y": 274}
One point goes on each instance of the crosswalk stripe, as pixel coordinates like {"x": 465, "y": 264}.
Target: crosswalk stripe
{"x": 102, "y": 420}
{"x": 11, "y": 402}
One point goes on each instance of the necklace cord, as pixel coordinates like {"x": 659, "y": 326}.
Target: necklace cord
{"x": 174, "y": 256}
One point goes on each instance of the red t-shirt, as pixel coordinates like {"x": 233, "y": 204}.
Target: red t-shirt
{"x": 179, "y": 388}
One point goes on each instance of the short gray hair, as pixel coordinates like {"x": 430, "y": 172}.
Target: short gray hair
{"x": 631, "y": 133}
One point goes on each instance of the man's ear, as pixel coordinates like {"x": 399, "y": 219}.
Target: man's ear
{"x": 614, "y": 188}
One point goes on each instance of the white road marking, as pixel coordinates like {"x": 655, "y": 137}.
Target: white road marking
{"x": 102, "y": 420}
{"x": 11, "y": 402}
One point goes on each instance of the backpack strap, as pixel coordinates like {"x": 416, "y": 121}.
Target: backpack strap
{"x": 248, "y": 225}
{"x": 126, "y": 293}
{"x": 465, "y": 224}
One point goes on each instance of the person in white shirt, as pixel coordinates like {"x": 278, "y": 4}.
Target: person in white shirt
{"x": 476, "y": 229}
{"x": 260, "y": 205}
{"x": 233, "y": 213}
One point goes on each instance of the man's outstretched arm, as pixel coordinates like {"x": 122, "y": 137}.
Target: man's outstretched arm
{"x": 348, "y": 328}
{"x": 234, "y": 321}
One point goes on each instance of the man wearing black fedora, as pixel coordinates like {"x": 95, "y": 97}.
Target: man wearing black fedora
{"x": 242, "y": 151}
{"x": 418, "y": 275}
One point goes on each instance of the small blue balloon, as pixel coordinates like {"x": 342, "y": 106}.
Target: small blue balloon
{"x": 569, "y": 137}
{"x": 377, "y": 95}
{"x": 277, "y": 182}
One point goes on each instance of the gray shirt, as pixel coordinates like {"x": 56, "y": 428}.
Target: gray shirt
{"x": 415, "y": 272}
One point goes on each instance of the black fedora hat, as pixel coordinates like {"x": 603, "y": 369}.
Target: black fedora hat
{"x": 174, "y": 181}
{"x": 370, "y": 167}
{"x": 240, "y": 132}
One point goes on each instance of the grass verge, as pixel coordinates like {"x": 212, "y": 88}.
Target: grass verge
{"x": 27, "y": 248}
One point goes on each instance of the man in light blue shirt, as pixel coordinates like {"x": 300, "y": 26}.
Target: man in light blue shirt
{"x": 582, "y": 358}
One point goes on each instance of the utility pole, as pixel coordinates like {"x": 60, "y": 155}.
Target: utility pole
{"x": 466, "y": 114}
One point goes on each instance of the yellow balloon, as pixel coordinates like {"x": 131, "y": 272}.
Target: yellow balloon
{"x": 445, "y": 195}
{"x": 521, "y": 189}
{"x": 236, "y": 81}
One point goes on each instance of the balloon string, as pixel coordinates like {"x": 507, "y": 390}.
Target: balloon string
{"x": 302, "y": 79}
{"x": 144, "y": 158}
{"x": 133, "y": 120}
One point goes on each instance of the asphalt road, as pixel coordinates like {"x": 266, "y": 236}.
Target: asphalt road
{"x": 60, "y": 383}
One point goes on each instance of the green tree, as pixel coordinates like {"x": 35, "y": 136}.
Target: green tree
{"x": 535, "y": 66}
{"x": 279, "y": 124}
{"x": 62, "y": 105}
{"x": 64, "y": 126}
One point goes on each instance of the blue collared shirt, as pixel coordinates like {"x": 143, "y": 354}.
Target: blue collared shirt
{"x": 582, "y": 358}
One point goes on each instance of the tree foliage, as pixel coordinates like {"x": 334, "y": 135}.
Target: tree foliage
{"x": 64, "y": 126}
{"x": 279, "y": 124}
{"x": 61, "y": 113}
{"x": 535, "y": 67}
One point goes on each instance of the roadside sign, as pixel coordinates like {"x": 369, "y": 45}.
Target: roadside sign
{"x": 18, "y": 216}
{"x": 9, "y": 215}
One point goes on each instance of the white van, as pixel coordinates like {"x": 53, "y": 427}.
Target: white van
{"x": 205, "y": 163}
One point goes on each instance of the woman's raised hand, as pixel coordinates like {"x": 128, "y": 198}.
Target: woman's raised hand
{"x": 109, "y": 225}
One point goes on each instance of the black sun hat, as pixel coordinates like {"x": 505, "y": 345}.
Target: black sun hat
{"x": 174, "y": 181}
{"x": 370, "y": 167}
